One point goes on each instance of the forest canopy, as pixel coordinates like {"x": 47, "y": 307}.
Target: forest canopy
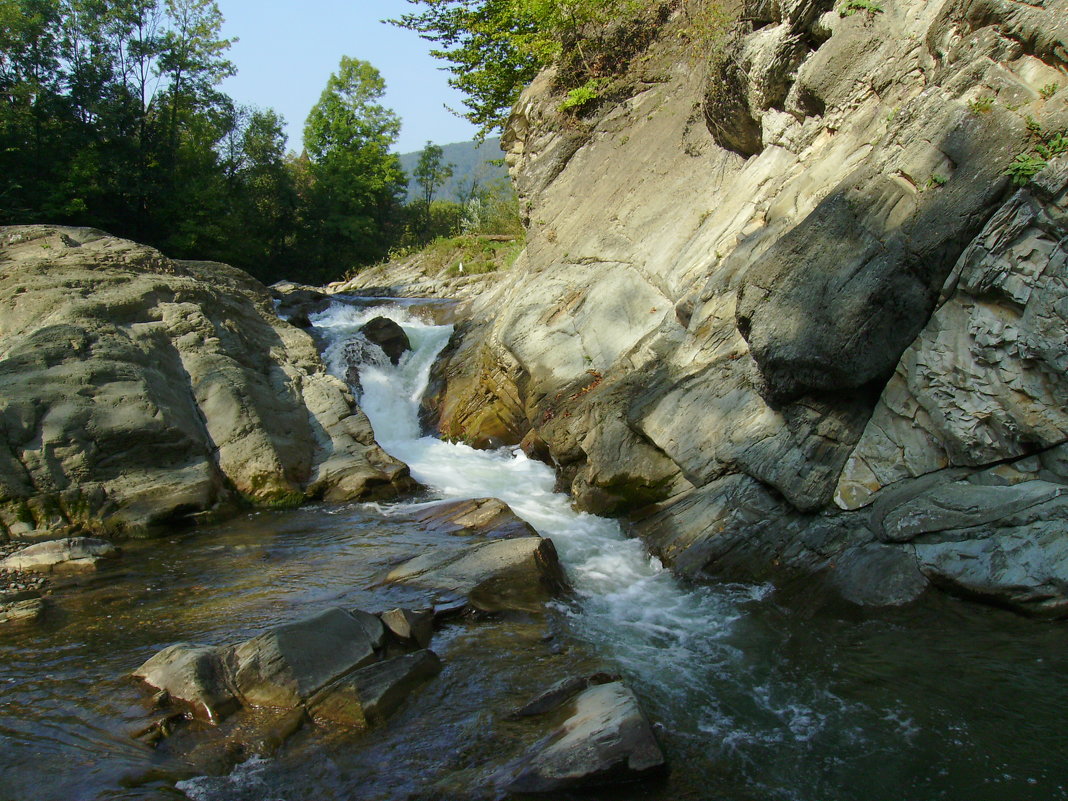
{"x": 111, "y": 116}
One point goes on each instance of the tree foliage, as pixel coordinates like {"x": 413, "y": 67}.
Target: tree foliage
{"x": 431, "y": 172}
{"x": 495, "y": 47}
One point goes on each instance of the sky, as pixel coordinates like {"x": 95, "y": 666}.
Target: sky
{"x": 287, "y": 51}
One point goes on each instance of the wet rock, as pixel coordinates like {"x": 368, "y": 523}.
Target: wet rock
{"x": 368, "y": 696}
{"x": 560, "y": 693}
{"x": 487, "y": 518}
{"x": 287, "y": 665}
{"x": 28, "y": 610}
{"x": 879, "y": 575}
{"x": 194, "y": 675}
{"x": 388, "y": 335}
{"x": 416, "y": 627}
{"x": 71, "y": 554}
{"x": 519, "y": 574}
{"x": 606, "y": 740}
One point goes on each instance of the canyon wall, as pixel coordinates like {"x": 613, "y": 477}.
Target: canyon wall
{"x": 782, "y": 307}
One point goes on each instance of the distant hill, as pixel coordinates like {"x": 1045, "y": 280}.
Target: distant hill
{"x": 470, "y": 160}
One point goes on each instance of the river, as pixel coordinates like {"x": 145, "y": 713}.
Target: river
{"x": 757, "y": 692}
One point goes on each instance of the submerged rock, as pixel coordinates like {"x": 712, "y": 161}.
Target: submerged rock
{"x": 519, "y": 574}
{"x": 605, "y": 740}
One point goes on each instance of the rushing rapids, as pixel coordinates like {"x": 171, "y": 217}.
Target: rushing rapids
{"x": 758, "y": 692}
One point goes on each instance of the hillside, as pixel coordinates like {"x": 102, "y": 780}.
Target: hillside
{"x": 472, "y": 161}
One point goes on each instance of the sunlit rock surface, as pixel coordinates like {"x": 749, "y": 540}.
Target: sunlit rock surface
{"x": 136, "y": 391}
{"x": 765, "y": 292}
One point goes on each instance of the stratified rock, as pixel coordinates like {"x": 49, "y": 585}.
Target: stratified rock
{"x": 607, "y": 740}
{"x": 137, "y": 391}
{"x": 388, "y": 335}
{"x": 194, "y": 675}
{"x": 416, "y": 627}
{"x": 705, "y": 316}
{"x": 371, "y": 694}
{"x": 285, "y": 666}
{"x": 485, "y": 518}
{"x": 71, "y": 554}
{"x": 520, "y": 574}
{"x": 24, "y": 611}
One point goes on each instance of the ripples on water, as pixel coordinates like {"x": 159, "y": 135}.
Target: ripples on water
{"x": 759, "y": 695}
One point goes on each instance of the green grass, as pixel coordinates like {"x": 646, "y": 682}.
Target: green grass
{"x": 851, "y": 7}
{"x": 982, "y": 105}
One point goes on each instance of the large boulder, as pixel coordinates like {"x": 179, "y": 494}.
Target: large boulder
{"x": 288, "y": 664}
{"x": 371, "y": 694}
{"x": 137, "y": 391}
{"x": 388, "y": 335}
{"x": 485, "y": 518}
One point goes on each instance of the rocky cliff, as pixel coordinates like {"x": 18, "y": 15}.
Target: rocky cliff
{"x": 136, "y": 391}
{"x": 782, "y": 306}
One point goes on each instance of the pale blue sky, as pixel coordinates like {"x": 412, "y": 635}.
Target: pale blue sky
{"x": 287, "y": 51}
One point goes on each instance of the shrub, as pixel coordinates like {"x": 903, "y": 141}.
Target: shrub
{"x": 851, "y": 7}
{"x": 1048, "y": 91}
{"x": 981, "y": 105}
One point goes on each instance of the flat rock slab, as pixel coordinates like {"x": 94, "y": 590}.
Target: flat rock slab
{"x": 487, "y": 518}
{"x": 70, "y": 554}
{"x": 368, "y": 696}
{"x": 520, "y": 574}
{"x": 606, "y": 740}
{"x": 285, "y": 666}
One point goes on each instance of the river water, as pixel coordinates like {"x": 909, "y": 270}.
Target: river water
{"x": 756, "y": 693}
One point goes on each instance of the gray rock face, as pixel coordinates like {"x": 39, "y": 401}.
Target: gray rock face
{"x": 136, "y": 390}
{"x": 770, "y": 331}
{"x": 519, "y": 574}
{"x": 606, "y": 740}
{"x": 486, "y": 518}
{"x": 70, "y": 554}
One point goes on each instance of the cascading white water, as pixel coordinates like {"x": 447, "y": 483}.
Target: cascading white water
{"x": 628, "y": 602}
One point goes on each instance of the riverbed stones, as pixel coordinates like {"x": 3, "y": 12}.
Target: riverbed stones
{"x": 605, "y": 740}
{"x": 70, "y": 554}
{"x": 27, "y": 610}
{"x": 513, "y": 574}
{"x": 138, "y": 392}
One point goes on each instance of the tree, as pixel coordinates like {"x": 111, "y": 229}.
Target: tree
{"x": 356, "y": 181}
{"x": 495, "y": 47}
{"x": 431, "y": 173}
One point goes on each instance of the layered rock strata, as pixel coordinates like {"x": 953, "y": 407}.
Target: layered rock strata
{"x": 783, "y": 299}
{"x": 137, "y": 391}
